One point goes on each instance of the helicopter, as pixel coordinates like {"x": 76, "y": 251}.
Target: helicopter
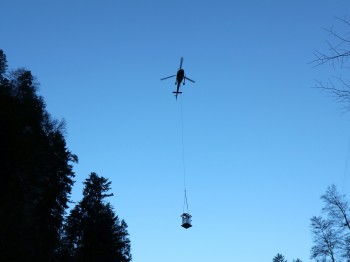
{"x": 180, "y": 76}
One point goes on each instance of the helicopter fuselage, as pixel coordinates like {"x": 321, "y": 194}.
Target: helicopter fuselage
{"x": 180, "y": 76}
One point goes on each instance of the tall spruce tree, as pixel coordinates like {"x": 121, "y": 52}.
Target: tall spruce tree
{"x": 279, "y": 258}
{"x": 35, "y": 171}
{"x": 93, "y": 231}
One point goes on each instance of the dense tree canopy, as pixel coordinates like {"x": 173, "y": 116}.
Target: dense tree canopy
{"x": 36, "y": 178}
{"x": 35, "y": 172}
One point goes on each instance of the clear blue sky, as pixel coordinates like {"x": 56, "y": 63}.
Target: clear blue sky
{"x": 261, "y": 145}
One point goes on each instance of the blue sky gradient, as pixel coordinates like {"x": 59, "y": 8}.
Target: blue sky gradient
{"x": 261, "y": 145}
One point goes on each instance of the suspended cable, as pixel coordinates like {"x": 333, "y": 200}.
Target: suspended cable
{"x": 185, "y": 204}
{"x": 183, "y": 145}
{"x": 186, "y": 217}
{"x": 183, "y": 159}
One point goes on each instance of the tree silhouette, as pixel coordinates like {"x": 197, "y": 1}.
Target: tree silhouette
{"x": 332, "y": 233}
{"x": 279, "y": 258}
{"x": 93, "y": 231}
{"x": 3, "y": 64}
{"x": 35, "y": 171}
{"x": 337, "y": 55}
{"x": 325, "y": 239}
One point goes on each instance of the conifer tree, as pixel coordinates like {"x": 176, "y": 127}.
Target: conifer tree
{"x": 93, "y": 231}
{"x": 279, "y": 258}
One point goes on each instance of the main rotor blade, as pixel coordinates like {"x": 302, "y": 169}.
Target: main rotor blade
{"x": 190, "y": 80}
{"x": 167, "y": 77}
{"x": 181, "y": 62}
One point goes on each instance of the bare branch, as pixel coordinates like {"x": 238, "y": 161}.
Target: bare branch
{"x": 339, "y": 88}
{"x": 343, "y": 20}
{"x": 337, "y": 52}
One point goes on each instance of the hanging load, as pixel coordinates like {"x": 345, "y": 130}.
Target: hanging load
{"x": 186, "y": 217}
{"x": 186, "y": 220}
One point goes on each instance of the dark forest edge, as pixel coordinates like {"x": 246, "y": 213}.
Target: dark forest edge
{"x": 36, "y": 179}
